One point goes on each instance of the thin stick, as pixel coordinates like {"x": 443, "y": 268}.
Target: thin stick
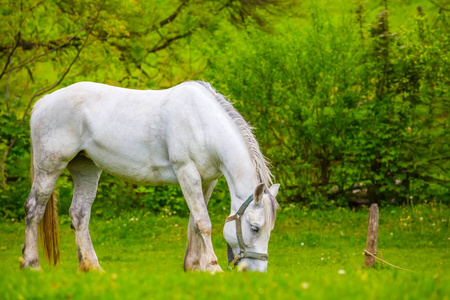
{"x": 367, "y": 252}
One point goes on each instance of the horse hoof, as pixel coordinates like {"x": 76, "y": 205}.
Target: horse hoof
{"x": 214, "y": 269}
{"x": 30, "y": 265}
{"x": 91, "y": 269}
{"x": 87, "y": 266}
{"x": 32, "y": 268}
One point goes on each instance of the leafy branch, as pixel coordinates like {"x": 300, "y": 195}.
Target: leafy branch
{"x": 441, "y": 6}
{"x": 66, "y": 44}
{"x": 8, "y": 60}
{"x": 50, "y": 87}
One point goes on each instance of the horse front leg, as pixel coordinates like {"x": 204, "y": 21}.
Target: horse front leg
{"x": 194, "y": 239}
{"x": 85, "y": 176}
{"x": 201, "y": 256}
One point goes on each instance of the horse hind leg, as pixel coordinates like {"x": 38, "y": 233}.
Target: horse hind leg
{"x": 85, "y": 176}
{"x": 35, "y": 206}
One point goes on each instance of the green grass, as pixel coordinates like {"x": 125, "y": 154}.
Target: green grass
{"x": 143, "y": 259}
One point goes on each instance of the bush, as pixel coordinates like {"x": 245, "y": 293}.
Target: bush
{"x": 348, "y": 107}
{"x": 343, "y": 113}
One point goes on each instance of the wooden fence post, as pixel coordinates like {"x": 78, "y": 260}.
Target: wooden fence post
{"x": 372, "y": 235}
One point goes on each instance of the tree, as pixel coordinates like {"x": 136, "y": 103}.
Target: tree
{"x": 47, "y": 44}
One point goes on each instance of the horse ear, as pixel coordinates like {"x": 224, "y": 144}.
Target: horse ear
{"x": 259, "y": 192}
{"x": 274, "y": 189}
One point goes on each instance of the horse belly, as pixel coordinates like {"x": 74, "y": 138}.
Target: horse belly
{"x": 148, "y": 171}
{"x": 130, "y": 156}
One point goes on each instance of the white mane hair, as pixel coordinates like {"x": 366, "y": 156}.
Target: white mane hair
{"x": 259, "y": 161}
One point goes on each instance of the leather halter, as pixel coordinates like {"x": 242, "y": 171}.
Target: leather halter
{"x": 243, "y": 253}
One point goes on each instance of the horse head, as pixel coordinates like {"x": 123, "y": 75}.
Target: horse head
{"x": 247, "y": 232}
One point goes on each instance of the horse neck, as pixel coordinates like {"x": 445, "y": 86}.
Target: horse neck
{"x": 240, "y": 174}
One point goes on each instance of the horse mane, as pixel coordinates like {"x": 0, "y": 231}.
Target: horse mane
{"x": 259, "y": 161}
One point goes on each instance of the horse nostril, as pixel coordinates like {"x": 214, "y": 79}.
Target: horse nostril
{"x": 242, "y": 266}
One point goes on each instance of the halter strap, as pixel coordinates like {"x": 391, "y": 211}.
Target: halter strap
{"x": 243, "y": 253}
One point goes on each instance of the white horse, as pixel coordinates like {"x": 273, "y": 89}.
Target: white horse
{"x": 188, "y": 135}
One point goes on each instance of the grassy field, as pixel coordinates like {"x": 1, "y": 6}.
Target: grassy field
{"x": 314, "y": 254}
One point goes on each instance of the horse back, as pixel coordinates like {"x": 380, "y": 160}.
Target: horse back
{"x": 135, "y": 134}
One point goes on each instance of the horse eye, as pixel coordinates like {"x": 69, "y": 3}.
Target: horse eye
{"x": 254, "y": 228}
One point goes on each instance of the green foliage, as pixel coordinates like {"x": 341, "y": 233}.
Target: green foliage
{"x": 18, "y": 163}
{"x": 50, "y": 44}
{"x": 143, "y": 255}
{"x": 339, "y": 109}
{"x": 350, "y": 101}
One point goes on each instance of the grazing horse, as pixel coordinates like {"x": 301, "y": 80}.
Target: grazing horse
{"x": 188, "y": 135}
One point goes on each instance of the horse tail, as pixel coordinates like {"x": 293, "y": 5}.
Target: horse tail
{"x": 49, "y": 228}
